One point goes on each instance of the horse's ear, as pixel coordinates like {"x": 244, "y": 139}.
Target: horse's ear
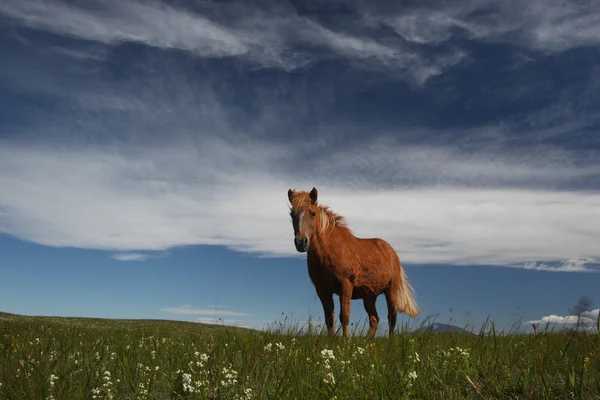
{"x": 290, "y": 195}
{"x": 313, "y": 195}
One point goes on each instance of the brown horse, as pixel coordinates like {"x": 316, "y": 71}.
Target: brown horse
{"x": 351, "y": 267}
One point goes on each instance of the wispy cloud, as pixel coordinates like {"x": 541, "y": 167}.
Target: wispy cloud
{"x": 547, "y": 25}
{"x": 130, "y": 256}
{"x": 572, "y": 265}
{"x": 136, "y": 256}
{"x": 206, "y": 311}
{"x": 276, "y": 39}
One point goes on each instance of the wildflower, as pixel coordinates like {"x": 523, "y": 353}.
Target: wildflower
{"x": 187, "y": 380}
{"x": 412, "y": 375}
{"x": 280, "y": 346}
{"x": 52, "y": 379}
{"x": 247, "y": 394}
{"x": 327, "y": 354}
{"x": 586, "y": 361}
{"x": 329, "y": 378}
{"x": 230, "y": 376}
{"x": 268, "y": 346}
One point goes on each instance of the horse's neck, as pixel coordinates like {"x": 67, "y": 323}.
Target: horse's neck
{"x": 328, "y": 238}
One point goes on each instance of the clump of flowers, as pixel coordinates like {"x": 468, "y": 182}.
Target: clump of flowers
{"x": 326, "y": 357}
{"x": 229, "y": 377}
{"x": 454, "y": 355}
{"x": 278, "y": 347}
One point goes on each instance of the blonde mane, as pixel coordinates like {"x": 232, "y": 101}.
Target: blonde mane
{"x": 328, "y": 218}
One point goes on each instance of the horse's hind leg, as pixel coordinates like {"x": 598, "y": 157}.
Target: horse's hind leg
{"x": 369, "y": 303}
{"x": 390, "y": 298}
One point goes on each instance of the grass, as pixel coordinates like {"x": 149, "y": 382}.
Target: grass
{"x": 76, "y": 358}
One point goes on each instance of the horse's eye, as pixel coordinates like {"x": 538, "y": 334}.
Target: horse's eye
{"x": 312, "y": 214}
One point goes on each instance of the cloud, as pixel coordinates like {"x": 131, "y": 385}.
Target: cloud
{"x": 588, "y": 318}
{"x": 546, "y": 25}
{"x": 135, "y": 256}
{"x": 591, "y": 314}
{"x": 208, "y": 311}
{"x": 146, "y": 164}
{"x": 130, "y": 256}
{"x": 275, "y": 38}
{"x": 235, "y": 197}
{"x": 571, "y": 265}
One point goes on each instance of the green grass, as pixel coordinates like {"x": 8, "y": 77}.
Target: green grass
{"x": 75, "y": 358}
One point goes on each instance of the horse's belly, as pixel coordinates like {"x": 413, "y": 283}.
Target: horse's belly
{"x": 360, "y": 292}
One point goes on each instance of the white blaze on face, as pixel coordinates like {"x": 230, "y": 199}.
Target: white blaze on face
{"x": 300, "y": 221}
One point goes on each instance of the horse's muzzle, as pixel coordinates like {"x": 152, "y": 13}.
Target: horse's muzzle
{"x": 301, "y": 244}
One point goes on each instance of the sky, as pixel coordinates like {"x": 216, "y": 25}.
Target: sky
{"x": 146, "y": 150}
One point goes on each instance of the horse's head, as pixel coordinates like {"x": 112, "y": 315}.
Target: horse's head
{"x": 305, "y": 217}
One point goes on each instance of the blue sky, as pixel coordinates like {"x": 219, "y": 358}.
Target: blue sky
{"x": 146, "y": 150}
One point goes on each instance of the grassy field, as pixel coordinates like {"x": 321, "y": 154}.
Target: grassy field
{"x": 73, "y": 358}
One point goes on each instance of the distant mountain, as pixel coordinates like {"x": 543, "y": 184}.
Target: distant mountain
{"x": 437, "y": 327}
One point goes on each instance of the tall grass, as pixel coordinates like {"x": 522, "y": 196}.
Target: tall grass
{"x": 64, "y": 358}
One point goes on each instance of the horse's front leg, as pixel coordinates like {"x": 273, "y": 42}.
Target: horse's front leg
{"x": 345, "y": 298}
{"x": 328, "y": 309}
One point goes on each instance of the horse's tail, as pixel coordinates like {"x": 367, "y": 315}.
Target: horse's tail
{"x": 405, "y": 300}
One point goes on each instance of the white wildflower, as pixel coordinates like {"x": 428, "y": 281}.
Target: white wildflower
{"x": 329, "y": 378}
{"x": 327, "y": 354}
{"x": 187, "y": 380}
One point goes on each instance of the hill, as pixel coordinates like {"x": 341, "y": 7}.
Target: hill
{"x": 158, "y": 325}
{"x": 442, "y": 328}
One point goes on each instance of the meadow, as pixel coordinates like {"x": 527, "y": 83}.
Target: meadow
{"x": 76, "y": 358}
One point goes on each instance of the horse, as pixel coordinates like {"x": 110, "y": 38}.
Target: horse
{"x": 351, "y": 267}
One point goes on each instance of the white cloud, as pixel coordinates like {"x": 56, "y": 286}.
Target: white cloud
{"x": 588, "y": 318}
{"x": 556, "y": 319}
{"x": 130, "y": 256}
{"x": 207, "y": 311}
{"x": 593, "y": 314}
{"x": 235, "y": 196}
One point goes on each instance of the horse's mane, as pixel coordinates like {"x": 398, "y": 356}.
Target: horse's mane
{"x": 328, "y": 217}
